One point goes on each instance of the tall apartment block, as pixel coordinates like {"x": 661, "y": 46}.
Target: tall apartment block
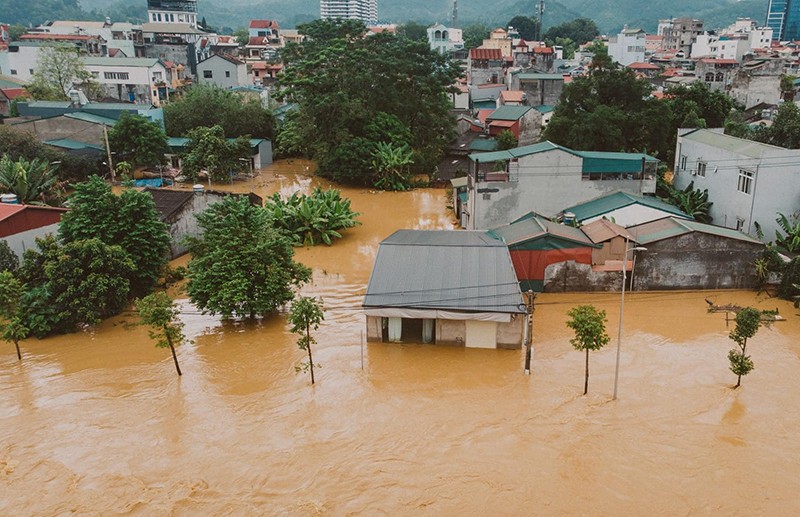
{"x": 364, "y": 10}
{"x": 783, "y": 17}
{"x": 172, "y": 11}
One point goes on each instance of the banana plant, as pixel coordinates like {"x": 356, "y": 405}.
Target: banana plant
{"x": 790, "y": 239}
{"x": 309, "y": 220}
{"x": 32, "y": 181}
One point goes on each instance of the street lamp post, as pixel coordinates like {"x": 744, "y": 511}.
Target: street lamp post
{"x": 622, "y": 310}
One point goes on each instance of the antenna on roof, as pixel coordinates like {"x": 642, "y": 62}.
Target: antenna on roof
{"x": 455, "y": 14}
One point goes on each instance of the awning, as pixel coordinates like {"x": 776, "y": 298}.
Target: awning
{"x": 459, "y": 182}
{"x": 437, "y": 314}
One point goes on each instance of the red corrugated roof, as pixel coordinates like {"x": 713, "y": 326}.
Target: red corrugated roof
{"x": 13, "y": 93}
{"x": 16, "y": 219}
{"x": 512, "y": 95}
{"x": 543, "y": 50}
{"x": 263, "y": 24}
{"x": 482, "y": 114}
{"x": 643, "y": 66}
{"x": 68, "y": 37}
{"x": 260, "y": 41}
{"x": 486, "y": 54}
{"x": 503, "y": 123}
{"x": 259, "y": 65}
{"x": 720, "y": 61}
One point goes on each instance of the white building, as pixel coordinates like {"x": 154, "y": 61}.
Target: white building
{"x": 131, "y": 79}
{"x": 364, "y": 10}
{"x": 223, "y": 71}
{"x": 545, "y": 178}
{"x": 19, "y": 59}
{"x": 734, "y": 42}
{"x": 747, "y": 181}
{"x": 628, "y": 46}
{"x": 117, "y": 35}
{"x": 445, "y": 40}
{"x": 172, "y": 11}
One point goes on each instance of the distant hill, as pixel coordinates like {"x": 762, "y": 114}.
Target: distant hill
{"x": 610, "y": 15}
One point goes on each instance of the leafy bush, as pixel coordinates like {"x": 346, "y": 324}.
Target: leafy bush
{"x": 309, "y": 220}
{"x": 790, "y": 279}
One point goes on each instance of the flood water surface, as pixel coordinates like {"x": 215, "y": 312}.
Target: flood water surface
{"x": 97, "y": 423}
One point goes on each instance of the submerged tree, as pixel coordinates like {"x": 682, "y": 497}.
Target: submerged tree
{"x": 305, "y": 316}
{"x": 158, "y": 311}
{"x": 241, "y": 266}
{"x": 747, "y": 323}
{"x": 11, "y": 328}
{"x": 590, "y": 332}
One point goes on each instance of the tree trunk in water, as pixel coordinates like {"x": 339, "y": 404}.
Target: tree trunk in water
{"x": 739, "y": 377}
{"x": 19, "y": 355}
{"x": 586, "y": 381}
{"x": 174, "y": 357}
{"x": 310, "y": 360}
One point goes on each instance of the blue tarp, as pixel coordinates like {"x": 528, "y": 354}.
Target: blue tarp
{"x": 154, "y": 182}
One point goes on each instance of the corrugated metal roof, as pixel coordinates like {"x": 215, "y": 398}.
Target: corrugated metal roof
{"x": 540, "y": 77}
{"x": 514, "y": 153}
{"x": 67, "y": 143}
{"x": 535, "y": 227}
{"x": 483, "y": 144}
{"x": 603, "y": 230}
{"x": 617, "y": 200}
{"x": 544, "y": 108}
{"x": 91, "y": 117}
{"x": 168, "y": 201}
{"x": 601, "y": 161}
{"x": 494, "y": 54}
{"x": 730, "y": 143}
{"x": 445, "y": 269}
{"x": 509, "y": 113}
{"x": 672, "y": 227}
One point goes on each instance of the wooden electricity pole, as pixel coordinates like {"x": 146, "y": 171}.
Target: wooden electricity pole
{"x": 530, "y": 296}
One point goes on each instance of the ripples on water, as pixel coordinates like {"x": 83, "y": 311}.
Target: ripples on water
{"x": 98, "y": 423}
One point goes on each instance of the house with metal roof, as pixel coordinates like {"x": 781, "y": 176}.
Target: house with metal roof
{"x": 523, "y": 121}
{"x": 748, "y": 182}
{"x": 539, "y": 88}
{"x": 545, "y": 177}
{"x": 485, "y": 66}
{"x": 71, "y": 131}
{"x": 222, "y": 70}
{"x": 613, "y": 238}
{"x": 21, "y": 225}
{"x": 132, "y": 79}
{"x": 444, "y": 287}
{"x": 536, "y": 243}
{"x": 685, "y": 254}
{"x": 260, "y": 151}
{"x": 622, "y": 208}
{"x": 105, "y": 110}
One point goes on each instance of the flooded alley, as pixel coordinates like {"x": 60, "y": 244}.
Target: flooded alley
{"x": 97, "y": 423}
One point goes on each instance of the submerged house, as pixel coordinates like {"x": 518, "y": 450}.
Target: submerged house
{"x": 444, "y": 287}
{"x": 536, "y": 244}
{"x": 684, "y": 254}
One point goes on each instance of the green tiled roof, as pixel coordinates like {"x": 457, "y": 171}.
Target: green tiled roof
{"x": 556, "y": 236}
{"x": 66, "y": 143}
{"x": 617, "y": 200}
{"x": 544, "y": 108}
{"x": 483, "y": 144}
{"x": 91, "y": 117}
{"x": 729, "y": 143}
{"x": 509, "y": 113}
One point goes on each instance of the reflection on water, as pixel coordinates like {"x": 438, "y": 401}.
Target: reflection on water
{"x": 98, "y": 423}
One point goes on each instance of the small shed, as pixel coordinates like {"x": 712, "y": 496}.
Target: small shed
{"x": 444, "y": 287}
{"x": 684, "y": 254}
{"x": 21, "y": 225}
{"x": 536, "y": 243}
{"x": 612, "y": 237}
{"x": 260, "y": 151}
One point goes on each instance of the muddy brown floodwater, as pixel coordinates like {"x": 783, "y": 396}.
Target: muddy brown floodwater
{"x": 99, "y": 424}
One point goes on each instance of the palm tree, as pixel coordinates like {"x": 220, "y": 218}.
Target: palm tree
{"x": 33, "y": 181}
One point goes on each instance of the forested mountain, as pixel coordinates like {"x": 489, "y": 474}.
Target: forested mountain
{"x": 610, "y": 15}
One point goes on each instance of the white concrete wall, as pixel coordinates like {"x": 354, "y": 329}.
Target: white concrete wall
{"x": 627, "y": 49}
{"x": 27, "y": 240}
{"x": 776, "y": 185}
{"x": 545, "y": 182}
{"x": 237, "y": 74}
{"x": 20, "y": 62}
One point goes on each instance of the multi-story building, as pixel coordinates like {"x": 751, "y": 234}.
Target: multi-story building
{"x": 172, "y": 11}
{"x": 364, "y": 10}
{"x": 128, "y": 79}
{"x": 628, "y": 46}
{"x": 445, "y": 40}
{"x": 783, "y": 17}
{"x": 680, "y": 33}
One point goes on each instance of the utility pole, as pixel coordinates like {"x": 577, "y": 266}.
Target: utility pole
{"x": 108, "y": 153}
{"x": 530, "y": 296}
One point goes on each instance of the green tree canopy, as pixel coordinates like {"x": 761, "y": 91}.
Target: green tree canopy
{"x": 11, "y": 327}
{"x": 579, "y": 30}
{"x": 88, "y": 281}
{"x": 8, "y": 259}
{"x": 747, "y": 322}
{"x": 210, "y": 151}
{"x": 304, "y": 316}
{"x": 160, "y": 313}
{"x": 474, "y": 34}
{"x": 785, "y": 128}
{"x": 526, "y": 26}
{"x": 413, "y": 31}
{"x": 138, "y": 140}
{"x": 341, "y": 82}
{"x": 210, "y": 105}
{"x": 129, "y": 220}
{"x": 57, "y": 71}
{"x": 589, "y": 326}
{"x": 240, "y": 265}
